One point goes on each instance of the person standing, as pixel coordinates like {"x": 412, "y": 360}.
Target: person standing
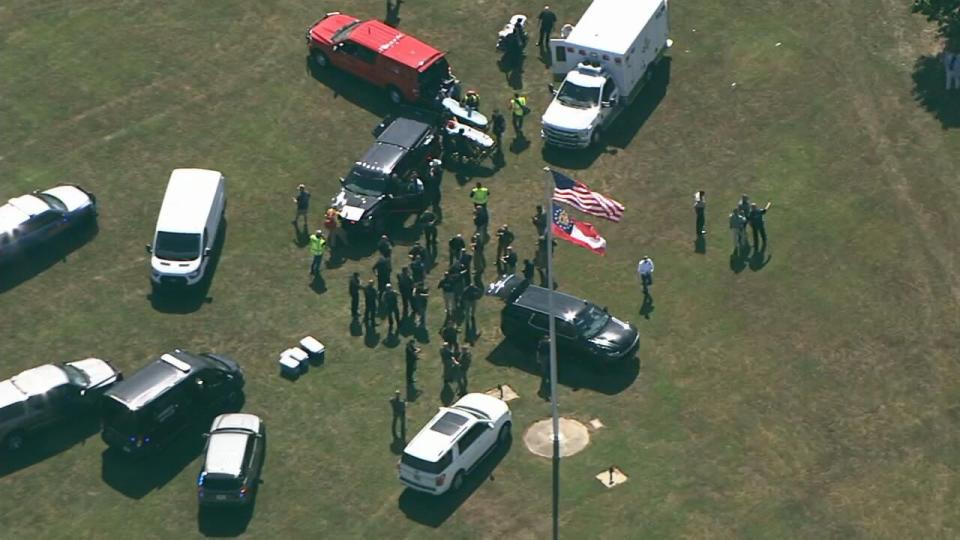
{"x": 446, "y": 285}
{"x": 419, "y": 304}
{"x": 543, "y": 358}
{"x": 547, "y": 20}
{"x": 479, "y": 261}
{"x": 951, "y": 69}
{"x": 390, "y": 306}
{"x": 302, "y": 198}
{"x": 456, "y": 245}
{"x": 354, "y": 288}
{"x": 317, "y": 247}
{"x": 700, "y": 208}
{"x": 370, "y": 304}
{"x": 737, "y": 221}
{"x": 466, "y": 358}
{"x": 399, "y": 408}
{"x": 447, "y": 361}
{"x": 434, "y": 181}
{"x": 471, "y": 295}
{"x": 518, "y": 109}
{"x": 645, "y": 271}
{"x": 505, "y": 238}
{"x": 460, "y": 274}
{"x": 428, "y": 220}
{"x": 405, "y": 286}
{"x": 449, "y": 335}
{"x": 412, "y": 358}
{"x": 528, "y": 269}
{"x": 744, "y": 205}
{"x": 481, "y": 219}
{"x": 499, "y": 125}
{"x": 757, "y": 225}
{"x": 383, "y": 269}
{"x": 508, "y": 263}
{"x": 539, "y": 221}
{"x": 385, "y": 246}
{"x": 417, "y": 270}
{"x": 334, "y": 232}
{"x": 480, "y": 195}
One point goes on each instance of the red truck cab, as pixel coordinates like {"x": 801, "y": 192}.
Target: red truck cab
{"x": 407, "y": 68}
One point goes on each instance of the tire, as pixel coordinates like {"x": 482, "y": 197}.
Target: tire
{"x": 14, "y": 442}
{"x": 394, "y": 95}
{"x": 320, "y": 58}
{"x": 595, "y": 137}
{"x": 457, "y": 483}
{"x": 504, "y": 436}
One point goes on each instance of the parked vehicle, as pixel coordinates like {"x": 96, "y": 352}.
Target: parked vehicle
{"x": 369, "y": 196}
{"x": 30, "y": 221}
{"x": 44, "y": 395}
{"x": 453, "y": 443}
{"x": 232, "y": 460}
{"x": 152, "y": 406}
{"x": 584, "y": 330}
{"x": 407, "y": 68}
{"x": 190, "y": 219}
{"x": 608, "y": 57}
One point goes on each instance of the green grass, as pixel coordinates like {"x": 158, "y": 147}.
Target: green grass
{"x": 815, "y": 397}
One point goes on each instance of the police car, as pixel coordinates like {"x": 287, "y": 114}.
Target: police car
{"x": 32, "y": 220}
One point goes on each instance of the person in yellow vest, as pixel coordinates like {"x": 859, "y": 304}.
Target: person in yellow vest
{"x": 480, "y": 195}
{"x": 471, "y": 100}
{"x": 518, "y": 106}
{"x": 317, "y": 246}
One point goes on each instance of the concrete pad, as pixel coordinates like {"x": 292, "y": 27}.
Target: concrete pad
{"x": 509, "y": 394}
{"x": 596, "y": 424}
{"x": 574, "y": 437}
{"x": 611, "y": 480}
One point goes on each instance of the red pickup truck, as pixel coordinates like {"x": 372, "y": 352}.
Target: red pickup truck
{"x": 407, "y": 68}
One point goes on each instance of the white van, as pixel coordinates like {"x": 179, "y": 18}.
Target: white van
{"x": 187, "y": 228}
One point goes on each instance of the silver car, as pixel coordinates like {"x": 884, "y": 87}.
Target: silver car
{"x": 232, "y": 460}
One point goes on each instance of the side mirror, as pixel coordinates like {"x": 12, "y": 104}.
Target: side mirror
{"x": 206, "y": 252}
{"x": 342, "y": 180}
{"x": 206, "y": 435}
{"x": 337, "y": 47}
{"x": 551, "y": 89}
{"x": 149, "y": 248}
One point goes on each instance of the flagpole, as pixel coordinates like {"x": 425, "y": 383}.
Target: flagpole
{"x": 553, "y": 356}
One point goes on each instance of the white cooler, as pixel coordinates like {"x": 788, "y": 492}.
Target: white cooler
{"x": 316, "y": 351}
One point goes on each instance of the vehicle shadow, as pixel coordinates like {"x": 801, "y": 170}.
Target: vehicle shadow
{"x": 25, "y": 266}
{"x": 572, "y": 373}
{"x": 183, "y": 301}
{"x": 350, "y": 88}
{"x": 433, "y": 511}
{"x": 929, "y": 91}
{"x": 623, "y": 130}
{"x": 225, "y": 522}
{"x": 50, "y": 443}
{"x": 136, "y": 477}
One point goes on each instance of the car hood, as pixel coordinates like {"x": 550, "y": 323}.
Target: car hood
{"x": 572, "y": 118}
{"x": 100, "y": 372}
{"x": 353, "y": 206}
{"x": 175, "y": 268}
{"x": 616, "y": 335}
{"x": 323, "y": 31}
{"x": 72, "y": 196}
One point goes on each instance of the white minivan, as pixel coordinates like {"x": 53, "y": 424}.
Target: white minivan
{"x": 187, "y": 228}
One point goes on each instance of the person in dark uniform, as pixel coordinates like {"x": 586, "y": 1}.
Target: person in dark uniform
{"x": 370, "y": 304}
{"x": 505, "y": 238}
{"x": 481, "y": 219}
{"x": 456, "y": 244}
{"x": 354, "y": 288}
{"x": 417, "y": 270}
{"x": 479, "y": 261}
{"x": 399, "y": 407}
{"x": 382, "y": 268}
{"x": 389, "y": 300}
{"x": 543, "y": 357}
{"x": 446, "y": 286}
{"x": 465, "y": 263}
{"x": 508, "y": 263}
{"x": 757, "y": 225}
{"x": 405, "y": 286}
{"x": 471, "y": 295}
{"x": 449, "y": 335}
{"x": 539, "y": 221}
{"x": 547, "y": 20}
{"x": 303, "y": 205}
{"x": 464, "y": 148}
{"x": 460, "y": 276}
{"x": 428, "y": 220}
{"x": 412, "y": 357}
{"x": 419, "y": 303}
{"x": 385, "y": 246}
{"x": 499, "y": 126}
{"x": 466, "y": 358}
{"x": 433, "y": 184}
{"x": 416, "y": 250}
{"x": 700, "y": 208}
{"x": 447, "y": 353}
{"x": 528, "y": 269}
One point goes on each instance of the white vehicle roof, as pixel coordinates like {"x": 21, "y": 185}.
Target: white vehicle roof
{"x": 236, "y": 420}
{"x": 10, "y": 394}
{"x": 40, "y": 380}
{"x": 430, "y": 444}
{"x": 225, "y": 453}
{"x": 489, "y": 405}
{"x": 189, "y": 196}
{"x": 11, "y": 217}
{"x": 612, "y": 25}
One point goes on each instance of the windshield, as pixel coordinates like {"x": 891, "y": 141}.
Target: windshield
{"x": 365, "y": 182}
{"x": 590, "y": 321}
{"x": 432, "y": 467}
{"x": 77, "y": 377}
{"x": 221, "y": 482}
{"x": 578, "y": 96}
{"x": 344, "y": 32}
{"x": 52, "y": 201}
{"x": 177, "y": 246}
{"x": 117, "y": 416}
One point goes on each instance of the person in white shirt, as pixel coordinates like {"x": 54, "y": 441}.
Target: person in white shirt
{"x": 645, "y": 271}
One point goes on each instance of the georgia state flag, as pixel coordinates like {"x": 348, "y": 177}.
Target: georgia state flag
{"x": 576, "y": 232}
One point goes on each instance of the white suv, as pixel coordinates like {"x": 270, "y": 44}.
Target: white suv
{"x": 453, "y": 443}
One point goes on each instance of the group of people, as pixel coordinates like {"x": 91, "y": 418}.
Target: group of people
{"x": 748, "y": 213}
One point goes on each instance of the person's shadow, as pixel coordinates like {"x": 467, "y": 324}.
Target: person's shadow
{"x": 647, "y": 307}
{"x": 519, "y": 144}
{"x": 737, "y": 262}
{"x": 759, "y": 259}
{"x": 700, "y": 245}
{"x": 356, "y": 329}
{"x": 318, "y": 285}
{"x": 446, "y": 394}
{"x": 373, "y": 337}
{"x": 300, "y": 236}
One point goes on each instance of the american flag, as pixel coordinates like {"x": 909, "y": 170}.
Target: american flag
{"x": 578, "y": 195}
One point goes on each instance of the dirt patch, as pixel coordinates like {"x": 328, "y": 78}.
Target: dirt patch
{"x": 574, "y": 437}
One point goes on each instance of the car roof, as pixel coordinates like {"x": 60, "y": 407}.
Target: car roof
{"x": 492, "y": 407}
{"x": 225, "y": 453}
{"x": 39, "y": 380}
{"x": 243, "y": 421}
{"x": 404, "y": 132}
{"x": 382, "y": 157}
{"x": 394, "y": 44}
{"x": 186, "y": 204}
{"x": 156, "y": 378}
{"x": 11, "y": 217}
{"x": 612, "y": 25}
{"x": 10, "y": 394}
{"x": 538, "y": 299}
{"x": 429, "y": 444}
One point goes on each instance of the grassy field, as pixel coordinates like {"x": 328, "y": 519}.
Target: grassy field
{"x": 811, "y": 395}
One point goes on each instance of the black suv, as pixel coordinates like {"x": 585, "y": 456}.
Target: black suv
{"x": 583, "y": 329}
{"x": 380, "y": 183}
{"x": 177, "y": 390}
